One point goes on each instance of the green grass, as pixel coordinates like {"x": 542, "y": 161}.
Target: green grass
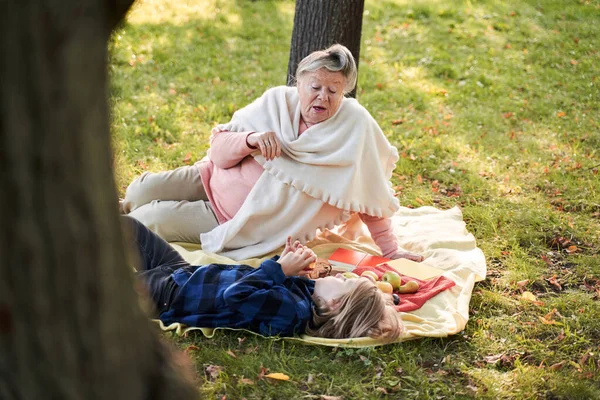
{"x": 494, "y": 106}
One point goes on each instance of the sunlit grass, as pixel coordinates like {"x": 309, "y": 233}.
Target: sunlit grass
{"x": 494, "y": 108}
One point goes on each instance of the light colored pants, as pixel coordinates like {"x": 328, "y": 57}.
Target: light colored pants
{"x": 173, "y": 204}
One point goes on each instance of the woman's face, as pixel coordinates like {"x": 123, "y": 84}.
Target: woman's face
{"x": 333, "y": 287}
{"x": 321, "y": 94}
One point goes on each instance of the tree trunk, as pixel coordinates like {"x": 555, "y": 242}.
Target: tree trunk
{"x": 70, "y": 322}
{"x": 319, "y": 24}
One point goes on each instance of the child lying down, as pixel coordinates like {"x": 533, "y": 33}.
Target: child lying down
{"x": 274, "y": 299}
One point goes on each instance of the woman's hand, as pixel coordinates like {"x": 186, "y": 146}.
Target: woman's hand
{"x": 267, "y": 142}
{"x": 408, "y": 255}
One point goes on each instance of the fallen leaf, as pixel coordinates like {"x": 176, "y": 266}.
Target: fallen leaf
{"x": 573, "y": 62}
{"x": 553, "y": 280}
{"x": 190, "y": 348}
{"x": 381, "y": 390}
{"x": 231, "y": 353}
{"x": 547, "y": 321}
{"x": 557, "y": 366}
{"x": 142, "y": 164}
{"x": 397, "y": 122}
{"x": 419, "y": 200}
{"x": 561, "y": 114}
{"x": 523, "y": 283}
{"x": 507, "y": 115}
{"x": 241, "y": 340}
{"x": 251, "y": 349}
{"x": 262, "y": 372}
{"x": 325, "y": 397}
{"x": 187, "y": 158}
{"x": 246, "y": 381}
{"x": 212, "y": 372}
{"x": 172, "y": 91}
{"x": 552, "y": 313}
{"x": 571, "y": 249}
{"x": 493, "y": 358}
{"x": 278, "y": 376}
{"x": 526, "y": 295}
{"x": 419, "y": 178}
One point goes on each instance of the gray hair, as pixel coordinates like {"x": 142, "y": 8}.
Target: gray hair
{"x": 336, "y": 58}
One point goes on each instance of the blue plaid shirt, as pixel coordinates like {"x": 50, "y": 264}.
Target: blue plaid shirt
{"x": 261, "y": 299}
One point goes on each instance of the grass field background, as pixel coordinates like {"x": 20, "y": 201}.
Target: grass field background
{"x": 494, "y": 107}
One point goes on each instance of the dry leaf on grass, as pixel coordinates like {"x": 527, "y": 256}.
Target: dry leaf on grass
{"x": 278, "y": 376}
{"x": 526, "y": 295}
{"x": 212, "y": 372}
{"x": 190, "y": 348}
{"x": 262, "y": 372}
{"x": 246, "y": 381}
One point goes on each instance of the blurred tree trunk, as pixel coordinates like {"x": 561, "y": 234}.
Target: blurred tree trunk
{"x": 320, "y": 23}
{"x": 70, "y": 322}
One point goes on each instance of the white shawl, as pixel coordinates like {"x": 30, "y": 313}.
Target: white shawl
{"x": 339, "y": 166}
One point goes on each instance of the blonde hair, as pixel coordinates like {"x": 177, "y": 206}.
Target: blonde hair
{"x": 335, "y": 58}
{"x": 362, "y": 312}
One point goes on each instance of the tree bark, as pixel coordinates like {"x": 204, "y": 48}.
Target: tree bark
{"x": 70, "y": 322}
{"x": 319, "y": 24}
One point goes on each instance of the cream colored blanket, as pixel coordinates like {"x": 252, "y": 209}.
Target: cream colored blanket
{"x": 440, "y": 235}
{"x": 341, "y": 165}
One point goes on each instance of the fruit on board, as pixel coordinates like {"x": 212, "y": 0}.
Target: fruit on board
{"x": 385, "y": 287}
{"x": 393, "y": 278}
{"x": 409, "y": 287}
{"x": 350, "y": 275}
{"x": 369, "y": 274}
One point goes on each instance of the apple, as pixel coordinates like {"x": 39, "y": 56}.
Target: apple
{"x": 393, "y": 278}
{"x": 350, "y": 275}
{"x": 370, "y": 275}
{"x": 385, "y": 287}
{"x": 409, "y": 287}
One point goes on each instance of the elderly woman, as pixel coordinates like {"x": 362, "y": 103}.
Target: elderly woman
{"x": 296, "y": 160}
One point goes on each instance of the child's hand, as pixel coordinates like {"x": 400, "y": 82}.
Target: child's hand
{"x": 293, "y": 262}
{"x": 289, "y": 246}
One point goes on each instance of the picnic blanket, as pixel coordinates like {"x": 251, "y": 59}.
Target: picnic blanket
{"x": 439, "y": 235}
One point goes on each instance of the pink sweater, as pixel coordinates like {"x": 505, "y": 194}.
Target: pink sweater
{"x": 231, "y": 173}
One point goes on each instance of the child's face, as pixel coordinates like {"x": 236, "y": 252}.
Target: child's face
{"x": 334, "y": 287}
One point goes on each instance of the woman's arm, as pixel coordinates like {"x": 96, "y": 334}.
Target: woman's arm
{"x": 382, "y": 232}
{"x": 262, "y": 296}
{"x": 228, "y": 149}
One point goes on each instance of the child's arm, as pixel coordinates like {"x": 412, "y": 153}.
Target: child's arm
{"x": 274, "y": 309}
